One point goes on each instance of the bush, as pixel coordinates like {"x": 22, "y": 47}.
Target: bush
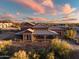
{"x": 71, "y": 33}
{"x": 4, "y": 45}
{"x": 33, "y": 54}
{"x": 61, "y": 48}
{"x": 50, "y": 55}
{"x": 21, "y": 54}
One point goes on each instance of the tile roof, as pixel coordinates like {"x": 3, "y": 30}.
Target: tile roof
{"x": 21, "y": 32}
{"x": 45, "y": 32}
{"x": 54, "y": 27}
{"x": 40, "y": 26}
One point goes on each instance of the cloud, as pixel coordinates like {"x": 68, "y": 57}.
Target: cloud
{"x": 39, "y": 6}
{"x": 37, "y": 19}
{"x": 32, "y": 4}
{"x": 46, "y": 7}
{"x": 54, "y": 12}
{"x": 67, "y": 9}
{"x": 18, "y": 13}
{"x": 50, "y": 7}
{"x": 74, "y": 15}
{"x": 7, "y": 15}
{"x": 48, "y": 3}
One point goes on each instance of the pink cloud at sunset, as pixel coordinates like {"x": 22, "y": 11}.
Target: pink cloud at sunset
{"x": 42, "y": 7}
{"x": 48, "y": 3}
{"x": 32, "y": 4}
{"x": 7, "y": 15}
{"x": 67, "y": 9}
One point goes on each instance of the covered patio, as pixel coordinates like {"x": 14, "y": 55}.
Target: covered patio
{"x": 44, "y": 35}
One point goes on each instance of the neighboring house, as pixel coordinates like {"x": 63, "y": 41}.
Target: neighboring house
{"x": 8, "y": 25}
{"x": 26, "y": 25}
{"x": 59, "y": 30}
{"x": 5, "y": 25}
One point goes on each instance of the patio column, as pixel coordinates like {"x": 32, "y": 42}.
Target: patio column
{"x": 44, "y": 37}
{"x": 23, "y": 37}
{"x": 33, "y": 38}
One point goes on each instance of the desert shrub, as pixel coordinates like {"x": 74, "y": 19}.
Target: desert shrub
{"x": 4, "y": 45}
{"x": 36, "y": 56}
{"x": 33, "y": 54}
{"x": 21, "y": 54}
{"x": 61, "y": 48}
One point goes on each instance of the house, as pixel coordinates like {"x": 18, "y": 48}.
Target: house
{"x": 5, "y": 24}
{"x": 38, "y": 33}
{"x": 8, "y": 25}
{"x": 57, "y": 29}
{"x": 24, "y": 35}
{"x": 26, "y": 25}
{"x": 41, "y": 32}
{"x": 44, "y": 35}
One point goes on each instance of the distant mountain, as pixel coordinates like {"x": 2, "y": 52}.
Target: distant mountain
{"x": 67, "y": 20}
{"x": 37, "y": 19}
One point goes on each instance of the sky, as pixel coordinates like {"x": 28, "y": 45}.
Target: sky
{"x": 50, "y": 9}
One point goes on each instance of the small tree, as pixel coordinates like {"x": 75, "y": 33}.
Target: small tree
{"x": 71, "y": 33}
{"x": 50, "y": 55}
{"x": 21, "y": 54}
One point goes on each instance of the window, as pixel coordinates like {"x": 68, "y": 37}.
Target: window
{"x": 28, "y": 37}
